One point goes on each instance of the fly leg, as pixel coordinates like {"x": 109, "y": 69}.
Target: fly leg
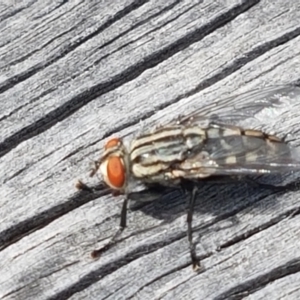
{"x": 97, "y": 253}
{"x": 191, "y": 204}
{"x": 82, "y": 186}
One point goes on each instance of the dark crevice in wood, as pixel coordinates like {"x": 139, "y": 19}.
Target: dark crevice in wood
{"x": 268, "y": 70}
{"x": 13, "y": 13}
{"x": 236, "y": 65}
{"x": 134, "y": 40}
{"x": 174, "y": 17}
{"x": 71, "y": 106}
{"x": 24, "y": 57}
{"x": 207, "y": 226}
{"x": 259, "y": 282}
{"x": 32, "y": 284}
{"x": 140, "y": 37}
{"x": 297, "y": 82}
{"x": 4, "y": 117}
{"x": 293, "y": 186}
{"x": 52, "y": 59}
{"x": 5, "y": 296}
{"x": 59, "y": 5}
{"x": 25, "y": 75}
{"x": 223, "y": 216}
{"x": 23, "y": 228}
{"x": 135, "y": 26}
{"x": 82, "y": 71}
{"x": 263, "y": 194}
{"x": 244, "y": 236}
{"x": 15, "y": 233}
{"x": 253, "y": 231}
{"x": 20, "y": 171}
{"x": 37, "y": 49}
{"x": 111, "y": 267}
{"x": 169, "y": 272}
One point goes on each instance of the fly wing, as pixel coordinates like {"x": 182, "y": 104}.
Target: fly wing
{"x": 231, "y": 150}
{"x": 250, "y": 109}
{"x": 251, "y": 153}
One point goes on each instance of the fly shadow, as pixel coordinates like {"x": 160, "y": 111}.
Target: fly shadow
{"x": 221, "y": 197}
{"x": 213, "y": 196}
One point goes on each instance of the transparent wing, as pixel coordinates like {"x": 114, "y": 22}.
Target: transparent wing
{"x": 255, "y": 155}
{"x": 248, "y": 109}
{"x": 248, "y": 154}
{"x": 242, "y": 154}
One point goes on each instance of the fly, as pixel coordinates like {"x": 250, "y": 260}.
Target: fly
{"x": 201, "y": 146}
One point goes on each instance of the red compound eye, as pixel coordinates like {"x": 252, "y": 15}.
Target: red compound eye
{"x": 116, "y": 172}
{"x": 112, "y": 143}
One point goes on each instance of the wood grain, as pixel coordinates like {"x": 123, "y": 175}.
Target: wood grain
{"x": 73, "y": 73}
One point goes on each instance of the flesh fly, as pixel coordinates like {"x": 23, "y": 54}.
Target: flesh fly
{"x": 200, "y": 146}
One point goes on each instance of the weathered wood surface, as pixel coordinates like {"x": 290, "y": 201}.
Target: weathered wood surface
{"x": 74, "y": 73}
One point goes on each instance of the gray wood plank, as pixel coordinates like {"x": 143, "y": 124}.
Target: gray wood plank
{"x": 73, "y": 74}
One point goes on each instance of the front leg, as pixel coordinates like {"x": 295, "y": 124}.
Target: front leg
{"x": 97, "y": 253}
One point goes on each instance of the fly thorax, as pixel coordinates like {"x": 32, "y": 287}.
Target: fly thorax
{"x": 195, "y": 138}
{"x": 152, "y": 155}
